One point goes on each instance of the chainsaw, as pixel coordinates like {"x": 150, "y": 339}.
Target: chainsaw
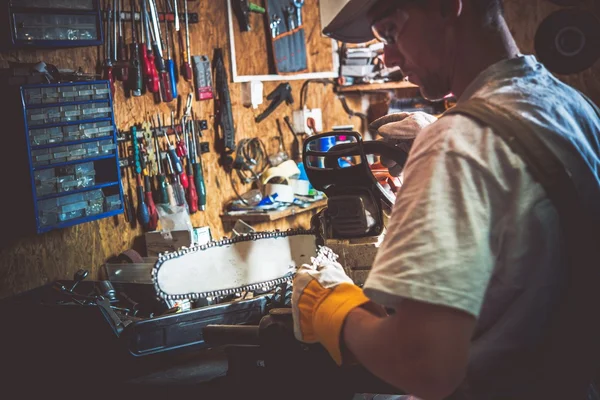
{"x": 356, "y": 201}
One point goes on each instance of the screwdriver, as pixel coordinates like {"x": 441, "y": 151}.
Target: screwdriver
{"x": 149, "y": 66}
{"x": 191, "y": 194}
{"x": 152, "y": 213}
{"x": 121, "y": 48}
{"x": 135, "y": 71}
{"x": 175, "y": 161}
{"x": 108, "y": 67}
{"x": 171, "y": 64}
{"x": 177, "y": 188}
{"x": 181, "y": 150}
{"x": 163, "y": 184}
{"x": 186, "y": 68}
{"x": 142, "y": 209}
{"x": 165, "y": 85}
{"x": 197, "y": 167}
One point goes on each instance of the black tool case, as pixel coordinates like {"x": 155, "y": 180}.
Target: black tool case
{"x": 50, "y": 338}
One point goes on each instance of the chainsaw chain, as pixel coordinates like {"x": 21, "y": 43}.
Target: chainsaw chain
{"x": 162, "y": 258}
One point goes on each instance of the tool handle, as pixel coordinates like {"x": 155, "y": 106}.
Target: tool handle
{"x": 153, "y": 85}
{"x": 184, "y": 180}
{"x": 122, "y": 51}
{"x": 108, "y": 75}
{"x": 192, "y": 195}
{"x": 200, "y": 186}
{"x": 165, "y": 86}
{"x": 171, "y": 195}
{"x": 163, "y": 196}
{"x": 152, "y": 213}
{"x": 186, "y": 70}
{"x": 175, "y": 160}
{"x": 142, "y": 209}
{"x": 135, "y": 79}
{"x": 180, "y": 194}
{"x": 172, "y": 77}
{"x": 158, "y": 60}
{"x": 181, "y": 150}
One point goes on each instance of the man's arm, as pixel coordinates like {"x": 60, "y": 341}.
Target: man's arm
{"x": 421, "y": 349}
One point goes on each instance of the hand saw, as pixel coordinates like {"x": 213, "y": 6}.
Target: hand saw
{"x": 259, "y": 260}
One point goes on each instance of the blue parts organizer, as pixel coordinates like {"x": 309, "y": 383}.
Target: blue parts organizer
{"x": 51, "y": 23}
{"x": 73, "y": 156}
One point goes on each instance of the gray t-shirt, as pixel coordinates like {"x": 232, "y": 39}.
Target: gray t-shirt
{"x": 472, "y": 230}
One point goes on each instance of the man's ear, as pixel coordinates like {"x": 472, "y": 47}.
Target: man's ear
{"x": 451, "y": 8}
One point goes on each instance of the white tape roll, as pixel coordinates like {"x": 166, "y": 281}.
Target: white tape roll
{"x": 283, "y": 172}
{"x": 285, "y": 193}
{"x": 300, "y": 186}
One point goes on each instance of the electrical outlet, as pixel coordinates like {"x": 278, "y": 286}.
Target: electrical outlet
{"x": 301, "y": 116}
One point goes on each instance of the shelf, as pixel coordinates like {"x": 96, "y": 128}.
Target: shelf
{"x": 64, "y": 123}
{"x": 63, "y": 164}
{"x": 70, "y": 143}
{"x": 64, "y": 103}
{"x": 87, "y": 189}
{"x": 371, "y": 87}
{"x": 266, "y": 216}
{"x": 76, "y": 221}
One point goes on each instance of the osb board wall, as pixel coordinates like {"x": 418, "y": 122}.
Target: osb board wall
{"x": 258, "y": 39}
{"x": 30, "y": 262}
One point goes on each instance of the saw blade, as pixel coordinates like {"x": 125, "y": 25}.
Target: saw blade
{"x": 244, "y": 263}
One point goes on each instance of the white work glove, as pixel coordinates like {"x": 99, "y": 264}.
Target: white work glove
{"x": 400, "y": 129}
{"x": 322, "y": 297}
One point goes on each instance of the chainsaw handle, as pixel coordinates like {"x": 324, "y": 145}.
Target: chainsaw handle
{"x": 375, "y": 147}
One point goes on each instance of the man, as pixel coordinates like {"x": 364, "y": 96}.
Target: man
{"x": 473, "y": 263}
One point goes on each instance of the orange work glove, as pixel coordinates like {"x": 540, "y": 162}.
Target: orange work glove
{"x": 322, "y": 297}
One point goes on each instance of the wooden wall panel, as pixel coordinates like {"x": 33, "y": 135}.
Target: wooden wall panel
{"x": 32, "y": 261}
{"x": 251, "y": 46}
{"x": 29, "y": 262}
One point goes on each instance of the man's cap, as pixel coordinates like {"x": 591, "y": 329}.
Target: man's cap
{"x": 352, "y": 24}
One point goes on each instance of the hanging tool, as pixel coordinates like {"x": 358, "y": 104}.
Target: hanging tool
{"x": 172, "y": 5}
{"x": 197, "y": 169}
{"x": 165, "y": 86}
{"x": 283, "y": 92}
{"x": 152, "y": 213}
{"x": 107, "y": 70}
{"x": 142, "y": 209}
{"x": 114, "y": 32}
{"x": 296, "y": 148}
{"x": 165, "y": 190}
{"x": 203, "y": 79}
{"x": 149, "y": 148}
{"x": 191, "y": 193}
{"x": 224, "y": 115}
{"x": 181, "y": 150}
{"x": 171, "y": 152}
{"x": 149, "y": 67}
{"x": 186, "y": 66}
{"x": 135, "y": 70}
{"x": 298, "y": 4}
{"x": 122, "y": 72}
{"x": 171, "y": 63}
{"x": 242, "y": 9}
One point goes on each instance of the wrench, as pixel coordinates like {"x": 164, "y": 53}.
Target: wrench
{"x": 298, "y": 4}
{"x": 290, "y": 17}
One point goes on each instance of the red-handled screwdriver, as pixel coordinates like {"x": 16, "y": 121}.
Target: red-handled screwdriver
{"x": 152, "y": 212}
{"x": 191, "y": 194}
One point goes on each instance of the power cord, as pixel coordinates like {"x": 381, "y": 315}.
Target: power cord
{"x": 250, "y": 163}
